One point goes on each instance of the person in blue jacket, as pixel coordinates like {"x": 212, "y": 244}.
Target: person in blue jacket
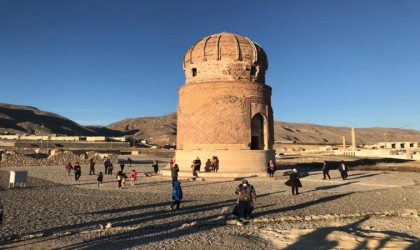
{"x": 176, "y": 194}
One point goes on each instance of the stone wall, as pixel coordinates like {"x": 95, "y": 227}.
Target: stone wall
{"x": 15, "y": 159}
{"x": 76, "y": 144}
{"x": 220, "y": 113}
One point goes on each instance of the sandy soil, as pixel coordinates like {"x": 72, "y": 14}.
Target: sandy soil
{"x": 372, "y": 210}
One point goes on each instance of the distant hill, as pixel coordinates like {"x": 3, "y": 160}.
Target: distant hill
{"x": 162, "y": 129}
{"x": 29, "y": 120}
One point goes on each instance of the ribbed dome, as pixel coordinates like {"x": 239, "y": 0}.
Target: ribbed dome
{"x": 225, "y": 57}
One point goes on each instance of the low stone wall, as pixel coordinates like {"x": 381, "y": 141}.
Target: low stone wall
{"x": 68, "y": 144}
{"x": 157, "y": 152}
{"x": 14, "y": 159}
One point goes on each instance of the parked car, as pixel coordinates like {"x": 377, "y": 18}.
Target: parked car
{"x": 279, "y": 155}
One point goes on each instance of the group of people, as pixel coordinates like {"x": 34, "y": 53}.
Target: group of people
{"x": 343, "y": 169}
{"x": 246, "y": 194}
{"x": 109, "y": 167}
{"x": 212, "y": 165}
{"x": 120, "y": 176}
{"x": 76, "y": 169}
{"x": 294, "y": 180}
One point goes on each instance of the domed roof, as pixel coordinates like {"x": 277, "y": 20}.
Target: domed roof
{"x": 225, "y": 57}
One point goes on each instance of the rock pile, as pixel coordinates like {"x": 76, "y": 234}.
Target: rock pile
{"x": 14, "y": 159}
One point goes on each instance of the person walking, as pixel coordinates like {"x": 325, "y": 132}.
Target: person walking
{"x": 271, "y": 168}
{"x": 122, "y": 165}
{"x": 326, "y": 170}
{"x": 91, "y": 166}
{"x": 107, "y": 162}
{"x": 197, "y": 163}
{"x": 176, "y": 195}
{"x": 77, "y": 171}
{"x": 100, "y": 179}
{"x": 294, "y": 182}
{"x": 174, "y": 173}
{"x": 129, "y": 162}
{"x": 133, "y": 177}
{"x": 119, "y": 178}
{"x": 343, "y": 171}
{"x": 110, "y": 168}
{"x": 194, "y": 171}
{"x": 69, "y": 167}
{"x": 246, "y": 199}
{"x": 155, "y": 166}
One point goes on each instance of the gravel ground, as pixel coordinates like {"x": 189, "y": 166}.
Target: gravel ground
{"x": 371, "y": 209}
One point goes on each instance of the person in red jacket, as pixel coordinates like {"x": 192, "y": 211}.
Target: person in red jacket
{"x": 69, "y": 167}
{"x": 133, "y": 177}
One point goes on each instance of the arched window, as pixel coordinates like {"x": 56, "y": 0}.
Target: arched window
{"x": 194, "y": 72}
{"x": 253, "y": 73}
{"x": 257, "y": 132}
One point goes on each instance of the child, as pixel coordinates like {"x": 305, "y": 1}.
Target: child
{"x": 133, "y": 177}
{"x": 124, "y": 179}
{"x": 119, "y": 178}
{"x": 100, "y": 178}
{"x": 176, "y": 195}
{"x": 69, "y": 167}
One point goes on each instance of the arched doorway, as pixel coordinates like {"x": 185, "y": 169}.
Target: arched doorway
{"x": 257, "y": 132}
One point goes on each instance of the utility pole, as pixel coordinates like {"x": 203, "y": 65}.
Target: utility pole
{"x": 42, "y": 132}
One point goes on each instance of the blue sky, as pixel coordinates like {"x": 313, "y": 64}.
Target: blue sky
{"x": 338, "y": 63}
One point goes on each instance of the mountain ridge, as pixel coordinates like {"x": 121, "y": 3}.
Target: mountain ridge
{"x": 161, "y": 130}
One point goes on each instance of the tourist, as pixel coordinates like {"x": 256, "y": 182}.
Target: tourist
{"x": 194, "y": 170}
{"x": 213, "y": 164}
{"x": 122, "y": 165}
{"x": 174, "y": 173}
{"x": 294, "y": 182}
{"x": 326, "y": 170}
{"x": 129, "y": 162}
{"x": 107, "y": 163}
{"x": 69, "y": 167}
{"x": 155, "y": 166}
{"x": 197, "y": 164}
{"x": 77, "y": 171}
{"x": 133, "y": 177}
{"x": 216, "y": 164}
{"x": 171, "y": 162}
{"x": 246, "y": 199}
{"x": 176, "y": 195}
{"x": 110, "y": 168}
{"x": 119, "y": 178}
{"x": 207, "y": 166}
{"x": 343, "y": 171}
{"x": 91, "y": 166}
{"x": 271, "y": 168}
{"x": 124, "y": 180}
{"x": 100, "y": 178}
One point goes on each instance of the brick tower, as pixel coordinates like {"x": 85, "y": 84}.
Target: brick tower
{"x": 224, "y": 107}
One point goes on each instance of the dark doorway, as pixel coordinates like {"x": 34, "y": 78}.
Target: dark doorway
{"x": 257, "y": 132}
{"x": 255, "y": 142}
